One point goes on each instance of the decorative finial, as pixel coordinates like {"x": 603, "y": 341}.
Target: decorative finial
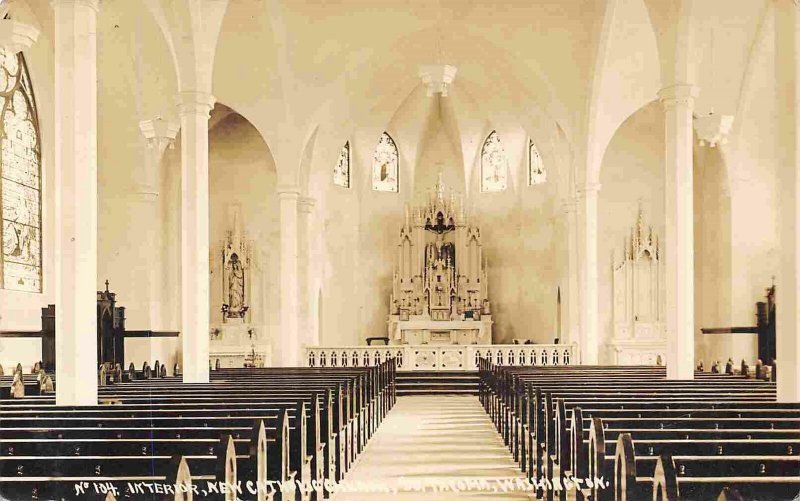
{"x": 106, "y": 285}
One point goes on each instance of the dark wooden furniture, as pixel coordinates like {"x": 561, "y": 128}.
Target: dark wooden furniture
{"x": 111, "y": 332}
{"x": 765, "y": 327}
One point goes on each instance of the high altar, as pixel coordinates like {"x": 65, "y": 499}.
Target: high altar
{"x": 439, "y": 289}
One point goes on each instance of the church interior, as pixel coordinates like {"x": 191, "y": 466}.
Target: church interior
{"x": 532, "y": 241}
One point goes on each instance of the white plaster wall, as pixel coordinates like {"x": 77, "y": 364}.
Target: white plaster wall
{"x": 522, "y": 242}
{"x": 632, "y": 171}
{"x": 753, "y": 177}
{"x": 241, "y": 171}
{"x": 712, "y": 259}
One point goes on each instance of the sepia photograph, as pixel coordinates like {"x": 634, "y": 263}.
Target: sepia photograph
{"x": 412, "y": 250}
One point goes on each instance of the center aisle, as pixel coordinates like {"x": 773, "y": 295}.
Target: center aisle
{"x": 436, "y": 440}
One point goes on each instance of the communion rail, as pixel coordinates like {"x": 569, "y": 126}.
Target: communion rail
{"x": 432, "y": 357}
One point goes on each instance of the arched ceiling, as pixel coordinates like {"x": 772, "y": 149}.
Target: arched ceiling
{"x": 293, "y": 67}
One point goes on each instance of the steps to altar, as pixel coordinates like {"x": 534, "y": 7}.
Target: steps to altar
{"x": 437, "y": 383}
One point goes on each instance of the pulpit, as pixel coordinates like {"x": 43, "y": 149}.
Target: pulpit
{"x": 111, "y": 332}
{"x": 439, "y": 289}
{"x": 110, "y": 329}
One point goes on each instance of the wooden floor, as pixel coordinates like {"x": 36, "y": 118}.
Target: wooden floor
{"x": 435, "y": 440}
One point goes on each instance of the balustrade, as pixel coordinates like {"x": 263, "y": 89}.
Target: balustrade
{"x": 441, "y": 357}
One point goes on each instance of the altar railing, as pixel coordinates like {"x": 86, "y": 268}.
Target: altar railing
{"x": 433, "y": 357}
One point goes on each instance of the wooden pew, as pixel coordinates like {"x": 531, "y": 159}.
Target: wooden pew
{"x": 697, "y": 478}
{"x": 365, "y": 395}
{"x": 532, "y": 410}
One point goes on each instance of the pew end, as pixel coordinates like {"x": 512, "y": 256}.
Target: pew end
{"x": 625, "y": 485}
{"x": 597, "y": 455}
{"x": 730, "y": 494}
{"x": 179, "y": 475}
{"x": 665, "y": 480}
{"x": 226, "y": 470}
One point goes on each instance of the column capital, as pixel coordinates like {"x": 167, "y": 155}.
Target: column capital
{"x": 192, "y": 102}
{"x": 159, "y": 132}
{"x": 288, "y": 191}
{"x": 92, "y": 4}
{"x": 674, "y": 95}
{"x": 16, "y": 36}
{"x": 306, "y": 204}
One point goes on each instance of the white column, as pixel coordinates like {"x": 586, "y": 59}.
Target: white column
{"x": 288, "y": 349}
{"x": 573, "y": 283}
{"x": 159, "y": 134}
{"x": 678, "y": 101}
{"x": 305, "y": 209}
{"x": 787, "y": 58}
{"x": 76, "y": 201}
{"x": 587, "y": 196}
{"x": 195, "y": 109}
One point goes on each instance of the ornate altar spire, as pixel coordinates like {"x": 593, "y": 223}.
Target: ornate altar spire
{"x": 441, "y": 270}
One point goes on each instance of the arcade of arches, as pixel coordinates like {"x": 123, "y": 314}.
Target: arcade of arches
{"x": 242, "y": 172}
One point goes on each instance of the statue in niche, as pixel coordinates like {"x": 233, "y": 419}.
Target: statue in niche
{"x": 236, "y": 263}
{"x": 235, "y": 287}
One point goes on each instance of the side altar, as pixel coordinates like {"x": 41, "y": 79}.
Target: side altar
{"x": 640, "y": 336}
{"x": 439, "y": 289}
{"x": 238, "y": 338}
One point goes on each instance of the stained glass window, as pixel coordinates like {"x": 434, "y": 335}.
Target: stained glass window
{"x": 341, "y": 172}
{"x": 385, "y": 165}
{"x": 20, "y": 178}
{"x": 494, "y": 164}
{"x": 536, "y": 172}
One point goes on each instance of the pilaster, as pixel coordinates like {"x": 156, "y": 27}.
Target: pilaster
{"x": 289, "y": 342}
{"x": 587, "y": 203}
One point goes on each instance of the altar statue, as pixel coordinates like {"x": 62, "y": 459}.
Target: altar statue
{"x": 439, "y": 291}
{"x": 235, "y": 287}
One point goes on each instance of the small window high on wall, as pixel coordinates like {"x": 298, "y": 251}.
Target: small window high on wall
{"x": 536, "y": 172}
{"x": 494, "y": 164}
{"x": 385, "y": 165}
{"x": 20, "y": 179}
{"x": 341, "y": 172}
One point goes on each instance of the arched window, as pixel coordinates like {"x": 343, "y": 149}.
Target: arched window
{"x": 536, "y": 172}
{"x": 20, "y": 178}
{"x": 494, "y": 164}
{"x": 341, "y": 172}
{"x": 385, "y": 165}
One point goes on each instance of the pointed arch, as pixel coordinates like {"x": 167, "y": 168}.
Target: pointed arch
{"x": 536, "y": 171}
{"x": 386, "y": 165}
{"x": 341, "y": 171}
{"x": 20, "y": 178}
{"x": 494, "y": 164}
